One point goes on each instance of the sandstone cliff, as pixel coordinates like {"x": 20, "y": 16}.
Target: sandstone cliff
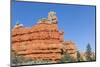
{"x": 42, "y": 41}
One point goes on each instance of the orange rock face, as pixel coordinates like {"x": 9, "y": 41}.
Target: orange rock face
{"x": 70, "y": 48}
{"x": 43, "y": 41}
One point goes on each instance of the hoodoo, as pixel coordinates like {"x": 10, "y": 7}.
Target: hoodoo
{"x": 42, "y": 41}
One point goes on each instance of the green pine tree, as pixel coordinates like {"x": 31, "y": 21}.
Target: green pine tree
{"x": 88, "y": 53}
{"x": 78, "y": 56}
{"x": 67, "y": 58}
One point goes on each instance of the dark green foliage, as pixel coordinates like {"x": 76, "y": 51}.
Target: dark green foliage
{"x": 16, "y": 59}
{"x": 67, "y": 58}
{"x": 79, "y": 57}
{"x": 20, "y": 60}
{"x": 88, "y": 53}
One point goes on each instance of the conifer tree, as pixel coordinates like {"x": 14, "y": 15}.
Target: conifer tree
{"x": 67, "y": 58}
{"x": 88, "y": 53}
{"x": 78, "y": 56}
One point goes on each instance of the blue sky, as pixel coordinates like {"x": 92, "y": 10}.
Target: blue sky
{"x": 77, "y": 21}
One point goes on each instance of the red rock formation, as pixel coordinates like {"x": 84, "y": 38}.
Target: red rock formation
{"x": 43, "y": 41}
{"x": 70, "y": 48}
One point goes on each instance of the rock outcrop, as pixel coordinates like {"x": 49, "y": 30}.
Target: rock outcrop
{"x": 42, "y": 41}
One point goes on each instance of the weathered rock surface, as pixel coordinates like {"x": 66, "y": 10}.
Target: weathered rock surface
{"x": 41, "y": 41}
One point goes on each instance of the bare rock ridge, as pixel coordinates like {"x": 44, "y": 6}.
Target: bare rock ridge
{"x": 42, "y": 41}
